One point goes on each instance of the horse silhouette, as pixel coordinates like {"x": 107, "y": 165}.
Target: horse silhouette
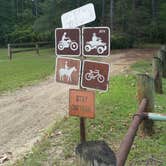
{"x": 66, "y": 72}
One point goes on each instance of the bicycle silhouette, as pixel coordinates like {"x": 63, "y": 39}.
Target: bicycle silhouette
{"x": 91, "y": 75}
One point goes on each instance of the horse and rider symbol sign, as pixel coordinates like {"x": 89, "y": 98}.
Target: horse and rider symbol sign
{"x": 68, "y": 70}
{"x": 68, "y": 42}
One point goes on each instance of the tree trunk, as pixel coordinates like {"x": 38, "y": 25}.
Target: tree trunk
{"x": 154, "y": 9}
{"x": 103, "y": 12}
{"x": 112, "y": 14}
{"x": 78, "y": 3}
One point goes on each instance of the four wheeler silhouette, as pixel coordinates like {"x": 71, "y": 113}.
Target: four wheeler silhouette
{"x": 91, "y": 75}
{"x": 66, "y": 42}
{"x": 95, "y": 43}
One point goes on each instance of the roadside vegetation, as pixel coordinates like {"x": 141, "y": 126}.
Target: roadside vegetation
{"x": 25, "y": 68}
{"x": 114, "y": 112}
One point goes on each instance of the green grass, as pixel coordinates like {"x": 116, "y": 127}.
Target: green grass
{"x": 25, "y": 68}
{"x": 114, "y": 111}
{"x": 142, "y": 66}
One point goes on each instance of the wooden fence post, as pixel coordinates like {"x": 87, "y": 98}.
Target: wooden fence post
{"x": 146, "y": 90}
{"x": 9, "y": 52}
{"x": 162, "y": 55}
{"x": 157, "y": 75}
{"x": 37, "y": 48}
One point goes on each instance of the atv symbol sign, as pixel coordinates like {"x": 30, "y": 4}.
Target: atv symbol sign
{"x": 96, "y": 41}
{"x": 67, "y": 42}
{"x": 68, "y": 70}
{"x": 95, "y": 75}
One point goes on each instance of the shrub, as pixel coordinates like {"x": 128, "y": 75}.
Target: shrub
{"x": 121, "y": 41}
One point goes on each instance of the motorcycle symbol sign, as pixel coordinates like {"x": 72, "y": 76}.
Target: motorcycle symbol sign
{"x": 96, "y": 41}
{"x": 67, "y": 42}
{"x": 67, "y": 70}
{"x": 95, "y": 75}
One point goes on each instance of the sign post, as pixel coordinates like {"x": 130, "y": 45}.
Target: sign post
{"x": 95, "y": 42}
{"x": 68, "y": 70}
{"x": 95, "y": 75}
{"x": 82, "y": 104}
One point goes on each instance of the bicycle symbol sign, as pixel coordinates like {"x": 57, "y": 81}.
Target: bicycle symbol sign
{"x": 95, "y": 75}
{"x": 67, "y": 42}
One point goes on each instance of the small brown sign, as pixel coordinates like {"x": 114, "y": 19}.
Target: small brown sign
{"x": 95, "y": 75}
{"x": 68, "y": 70}
{"x": 96, "y": 41}
{"x": 82, "y": 103}
{"x": 67, "y": 42}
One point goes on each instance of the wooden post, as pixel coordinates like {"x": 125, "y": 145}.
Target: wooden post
{"x": 162, "y": 55}
{"x": 157, "y": 75}
{"x": 95, "y": 153}
{"x": 37, "y": 48}
{"x": 146, "y": 90}
{"x": 9, "y": 52}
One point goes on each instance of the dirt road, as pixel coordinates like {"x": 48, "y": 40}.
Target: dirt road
{"x": 26, "y": 112}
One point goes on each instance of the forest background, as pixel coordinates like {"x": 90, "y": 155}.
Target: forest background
{"x": 131, "y": 21}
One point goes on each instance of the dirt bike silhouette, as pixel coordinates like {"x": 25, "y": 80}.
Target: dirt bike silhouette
{"x": 91, "y": 75}
{"x": 67, "y": 43}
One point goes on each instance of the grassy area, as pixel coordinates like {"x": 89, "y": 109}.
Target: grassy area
{"x": 142, "y": 66}
{"x": 25, "y": 68}
{"x": 114, "y": 111}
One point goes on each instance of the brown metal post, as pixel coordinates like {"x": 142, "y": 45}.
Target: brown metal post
{"x": 128, "y": 140}
{"x": 146, "y": 90}
{"x": 157, "y": 75}
{"x": 82, "y": 130}
{"x": 82, "y": 120}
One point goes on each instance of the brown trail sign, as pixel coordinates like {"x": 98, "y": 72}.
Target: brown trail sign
{"x": 68, "y": 70}
{"x": 67, "y": 42}
{"x": 95, "y": 75}
{"x": 96, "y": 41}
{"x": 82, "y": 103}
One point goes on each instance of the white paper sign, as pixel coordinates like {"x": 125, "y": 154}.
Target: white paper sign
{"x": 79, "y": 16}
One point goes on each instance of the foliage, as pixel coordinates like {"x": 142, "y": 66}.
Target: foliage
{"x": 144, "y": 21}
{"x": 121, "y": 41}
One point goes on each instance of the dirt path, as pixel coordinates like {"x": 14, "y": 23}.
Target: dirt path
{"x": 25, "y": 113}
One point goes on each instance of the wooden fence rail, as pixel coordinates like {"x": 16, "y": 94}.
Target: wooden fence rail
{"x": 35, "y": 47}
